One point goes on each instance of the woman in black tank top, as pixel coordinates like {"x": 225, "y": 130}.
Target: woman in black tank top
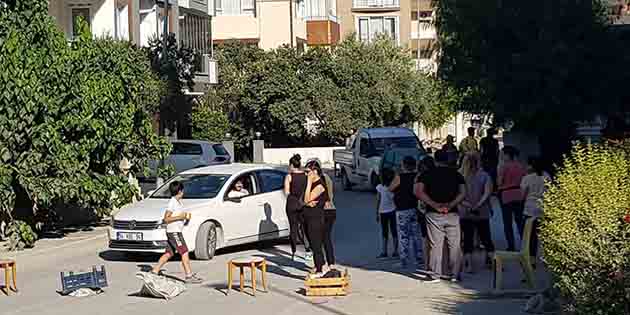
{"x": 295, "y": 188}
{"x": 315, "y": 199}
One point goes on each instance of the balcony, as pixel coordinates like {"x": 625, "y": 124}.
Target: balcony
{"x": 426, "y": 30}
{"x": 375, "y": 5}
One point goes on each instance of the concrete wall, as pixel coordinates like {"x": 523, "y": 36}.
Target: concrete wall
{"x": 274, "y": 24}
{"x": 234, "y": 27}
{"x": 282, "y": 156}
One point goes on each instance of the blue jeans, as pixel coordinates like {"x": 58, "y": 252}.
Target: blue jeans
{"x": 408, "y": 236}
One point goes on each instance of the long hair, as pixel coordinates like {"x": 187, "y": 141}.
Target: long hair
{"x": 471, "y": 164}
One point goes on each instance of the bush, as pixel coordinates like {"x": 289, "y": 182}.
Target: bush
{"x": 20, "y": 236}
{"x": 209, "y": 124}
{"x": 585, "y": 233}
{"x": 69, "y": 114}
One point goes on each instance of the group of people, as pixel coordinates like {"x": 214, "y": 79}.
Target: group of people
{"x": 446, "y": 198}
{"x": 311, "y": 213}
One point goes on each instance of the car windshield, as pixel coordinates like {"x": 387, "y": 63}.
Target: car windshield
{"x": 196, "y": 186}
{"x": 380, "y": 145}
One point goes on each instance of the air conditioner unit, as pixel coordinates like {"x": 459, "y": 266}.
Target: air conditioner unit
{"x": 211, "y": 68}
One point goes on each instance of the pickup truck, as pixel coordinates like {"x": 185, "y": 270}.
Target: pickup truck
{"x": 362, "y": 160}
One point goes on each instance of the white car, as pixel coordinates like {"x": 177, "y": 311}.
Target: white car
{"x": 217, "y": 221}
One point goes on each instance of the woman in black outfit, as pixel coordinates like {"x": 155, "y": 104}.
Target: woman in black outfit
{"x": 330, "y": 213}
{"x": 315, "y": 198}
{"x": 295, "y": 187}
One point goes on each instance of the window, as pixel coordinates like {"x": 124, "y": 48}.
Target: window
{"x": 186, "y": 149}
{"x": 235, "y": 7}
{"x": 248, "y": 187}
{"x": 195, "y": 186}
{"x": 424, "y": 53}
{"x": 271, "y": 180}
{"x": 219, "y": 149}
{"x": 364, "y": 147}
{"x": 78, "y": 14}
{"x": 372, "y": 27}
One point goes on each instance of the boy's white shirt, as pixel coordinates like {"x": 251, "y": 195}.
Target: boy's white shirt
{"x": 175, "y": 207}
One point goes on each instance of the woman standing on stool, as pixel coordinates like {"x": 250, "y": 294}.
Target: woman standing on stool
{"x": 315, "y": 198}
{"x": 330, "y": 213}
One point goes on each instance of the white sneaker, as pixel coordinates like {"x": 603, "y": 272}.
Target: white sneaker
{"x": 316, "y": 275}
{"x": 308, "y": 256}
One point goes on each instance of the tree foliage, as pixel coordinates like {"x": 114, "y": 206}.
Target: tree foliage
{"x": 585, "y": 230}
{"x": 529, "y": 61}
{"x": 323, "y": 93}
{"x": 69, "y": 114}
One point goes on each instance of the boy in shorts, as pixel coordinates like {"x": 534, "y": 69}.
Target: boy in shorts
{"x": 175, "y": 218}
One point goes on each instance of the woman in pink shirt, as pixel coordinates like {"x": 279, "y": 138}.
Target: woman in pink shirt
{"x": 509, "y": 181}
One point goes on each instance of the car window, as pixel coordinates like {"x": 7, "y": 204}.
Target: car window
{"x": 271, "y": 180}
{"x": 183, "y": 148}
{"x": 196, "y": 186}
{"x": 219, "y": 149}
{"x": 364, "y": 147}
{"x": 248, "y": 187}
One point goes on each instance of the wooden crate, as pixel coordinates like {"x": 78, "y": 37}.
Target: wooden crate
{"x": 328, "y": 286}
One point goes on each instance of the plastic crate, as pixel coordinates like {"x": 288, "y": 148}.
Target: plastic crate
{"x": 95, "y": 279}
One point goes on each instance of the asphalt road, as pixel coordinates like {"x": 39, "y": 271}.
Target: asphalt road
{"x": 377, "y": 286}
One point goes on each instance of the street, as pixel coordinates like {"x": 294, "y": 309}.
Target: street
{"x": 376, "y": 287}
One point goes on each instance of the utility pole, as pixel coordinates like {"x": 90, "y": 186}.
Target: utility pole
{"x": 291, "y": 21}
{"x": 418, "y": 35}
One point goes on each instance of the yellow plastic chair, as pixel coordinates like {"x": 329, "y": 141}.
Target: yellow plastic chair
{"x": 522, "y": 257}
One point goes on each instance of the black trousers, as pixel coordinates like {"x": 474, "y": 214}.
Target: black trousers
{"x": 330, "y": 216}
{"x": 294, "y": 228}
{"x": 388, "y": 224}
{"x": 533, "y": 242}
{"x": 512, "y": 211}
{"x": 483, "y": 228}
{"x": 314, "y": 221}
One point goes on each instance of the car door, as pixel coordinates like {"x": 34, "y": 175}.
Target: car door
{"x": 363, "y": 166}
{"x": 242, "y": 215}
{"x": 274, "y": 200}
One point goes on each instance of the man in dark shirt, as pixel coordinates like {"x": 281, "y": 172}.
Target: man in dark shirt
{"x": 490, "y": 154}
{"x": 442, "y": 189}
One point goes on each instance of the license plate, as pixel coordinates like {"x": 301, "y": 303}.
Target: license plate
{"x": 123, "y": 236}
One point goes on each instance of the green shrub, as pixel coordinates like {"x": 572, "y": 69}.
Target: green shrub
{"x": 20, "y": 236}
{"x": 209, "y": 124}
{"x": 586, "y": 230}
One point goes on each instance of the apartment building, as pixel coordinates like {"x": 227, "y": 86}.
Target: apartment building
{"x": 266, "y": 23}
{"x": 408, "y": 23}
{"x": 137, "y": 20}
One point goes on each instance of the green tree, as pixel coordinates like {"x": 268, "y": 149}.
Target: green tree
{"x": 69, "y": 114}
{"x": 352, "y": 85}
{"x": 528, "y": 61}
{"x": 174, "y": 66}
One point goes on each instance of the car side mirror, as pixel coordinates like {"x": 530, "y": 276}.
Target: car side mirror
{"x": 235, "y": 200}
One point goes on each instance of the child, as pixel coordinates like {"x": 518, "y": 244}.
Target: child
{"x": 175, "y": 218}
{"x": 386, "y": 211}
{"x": 533, "y": 187}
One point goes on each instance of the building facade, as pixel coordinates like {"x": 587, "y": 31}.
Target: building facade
{"x": 266, "y": 23}
{"x": 408, "y": 23}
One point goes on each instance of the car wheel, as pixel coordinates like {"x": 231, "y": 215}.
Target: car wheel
{"x": 206, "y": 243}
{"x": 347, "y": 185}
